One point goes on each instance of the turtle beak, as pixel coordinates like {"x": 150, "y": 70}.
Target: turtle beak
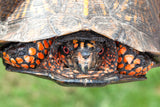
{"x": 85, "y": 59}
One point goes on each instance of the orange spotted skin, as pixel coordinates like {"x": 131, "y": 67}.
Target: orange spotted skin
{"x": 134, "y": 63}
{"x": 27, "y": 55}
{"x": 74, "y": 60}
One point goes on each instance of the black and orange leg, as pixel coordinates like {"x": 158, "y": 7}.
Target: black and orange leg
{"x": 132, "y": 62}
{"x": 25, "y": 56}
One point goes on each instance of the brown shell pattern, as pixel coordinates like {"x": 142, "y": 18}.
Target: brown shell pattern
{"x": 132, "y": 22}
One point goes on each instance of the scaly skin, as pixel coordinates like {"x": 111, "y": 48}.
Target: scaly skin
{"x": 76, "y": 59}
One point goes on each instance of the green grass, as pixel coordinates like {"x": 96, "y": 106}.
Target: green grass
{"x": 22, "y": 90}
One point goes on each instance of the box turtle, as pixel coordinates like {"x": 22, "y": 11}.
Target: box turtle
{"x": 81, "y": 42}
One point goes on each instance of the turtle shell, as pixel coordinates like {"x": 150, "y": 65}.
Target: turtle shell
{"x": 132, "y": 22}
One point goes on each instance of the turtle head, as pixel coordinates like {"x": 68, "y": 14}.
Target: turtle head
{"x": 82, "y": 56}
{"x": 81, "y": 60}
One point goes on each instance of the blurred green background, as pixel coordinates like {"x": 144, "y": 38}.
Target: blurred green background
{"x": 22, "y": 90}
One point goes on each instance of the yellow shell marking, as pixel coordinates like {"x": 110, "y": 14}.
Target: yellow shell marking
{"x": 85, "y": 11}
{"x": 103, "y": 8}
{"x": 124, "y": 6}
{"x": 26, "y": 6}
{"x": 128, "y": 18}
{"x": 20, "y": 11}
{"x": 116, "y": 4}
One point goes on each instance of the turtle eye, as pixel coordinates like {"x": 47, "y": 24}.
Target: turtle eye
{"x": 65, "y": 50}
{"x": 101, "y": 51}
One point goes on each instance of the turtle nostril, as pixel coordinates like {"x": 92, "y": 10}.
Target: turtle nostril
{"x": 85, "y": 54}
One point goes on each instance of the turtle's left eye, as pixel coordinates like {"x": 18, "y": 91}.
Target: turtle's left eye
{"x": 101, "y": 51}
{"x": 65, "y": 50}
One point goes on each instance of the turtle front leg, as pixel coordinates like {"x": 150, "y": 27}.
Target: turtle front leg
{"x": 132, "y": 62}
{"x": 25, "y": 57}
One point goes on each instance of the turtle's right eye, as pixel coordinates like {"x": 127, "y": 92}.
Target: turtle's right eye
{"x": 101, "y": 51}
{"x": 65, "y": 50}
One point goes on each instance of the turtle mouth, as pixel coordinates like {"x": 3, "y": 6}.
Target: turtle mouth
{"x": 84, "y": 63}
